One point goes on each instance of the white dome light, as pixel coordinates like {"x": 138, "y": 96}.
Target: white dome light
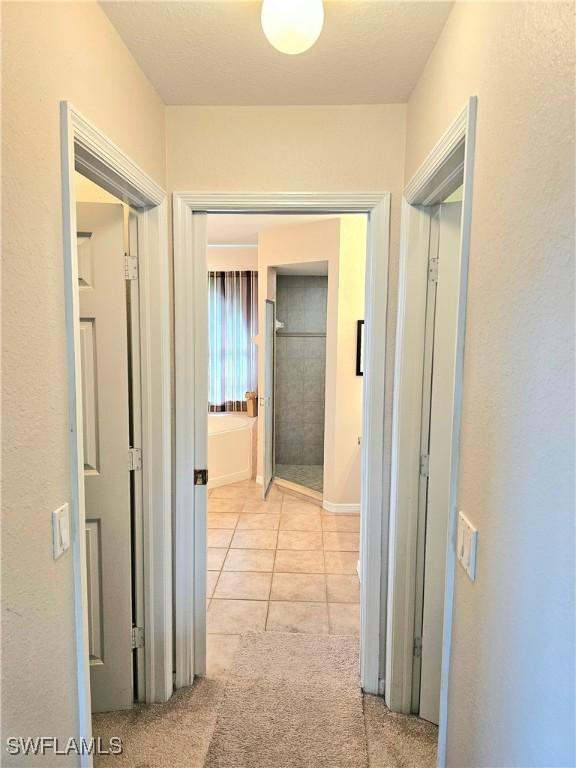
{"x": 292, "y": 26}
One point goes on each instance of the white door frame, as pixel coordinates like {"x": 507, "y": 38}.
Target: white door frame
{"x": 191, "y": 405}
{"x": 452, "y": 157}
{"x": 269, "y": 410}
{"x": 87, "y": 150}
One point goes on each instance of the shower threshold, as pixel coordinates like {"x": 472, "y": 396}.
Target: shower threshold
{"x": 308, "y": 476}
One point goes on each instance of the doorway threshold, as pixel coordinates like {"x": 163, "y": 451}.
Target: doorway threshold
{"x": 307, "y": 494}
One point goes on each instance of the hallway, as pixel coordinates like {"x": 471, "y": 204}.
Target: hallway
{"x": 280, "y": 565}
{"x": 178, "y": 734}
{"x": 448, "y": 383}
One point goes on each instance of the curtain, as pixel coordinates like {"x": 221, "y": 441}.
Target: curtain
{"x": 233, "y": 322}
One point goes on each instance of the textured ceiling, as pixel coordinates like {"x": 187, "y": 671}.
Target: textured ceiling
{"x": 214, "y": 52}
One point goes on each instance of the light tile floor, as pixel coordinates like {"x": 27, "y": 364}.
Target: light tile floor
{"x": 282, "y": 565}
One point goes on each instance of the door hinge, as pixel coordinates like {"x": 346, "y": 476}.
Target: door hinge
{"x": 130, "y": 267}
{"x": 417, "y": 647}
{"x": 433, "y": 271}
{"x": 137, "y": 637}
{"x": 200, "y": 477}
{"x": 424, "y": 464}
{"x": 134, "y": 459}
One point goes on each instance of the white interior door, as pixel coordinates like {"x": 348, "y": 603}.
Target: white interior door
{"x": 104, "y": 354}
{"x": 430, "y": 319}
{"x": 440, "y": 456}
{"x": 269, "y": 341}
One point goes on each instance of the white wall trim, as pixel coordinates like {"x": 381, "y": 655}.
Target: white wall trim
{"x": 375, "y": 502}
{"x": 437, "y": 164}
{"x": 85, "y": 148}
{"x": 453, "y": 154}
{"x": 342, "y": 509}
{"x": 291, "y": 202}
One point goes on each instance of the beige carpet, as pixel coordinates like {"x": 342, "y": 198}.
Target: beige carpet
{"x": 177, "y": 734}
{"x": 292, "y": 701}
{"x": 171, "y": 735}
{"x": 398, "y": 741}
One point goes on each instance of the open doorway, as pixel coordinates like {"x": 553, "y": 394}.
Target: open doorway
{"x": 295, "y": 541}
{"x": 282, "y": 342}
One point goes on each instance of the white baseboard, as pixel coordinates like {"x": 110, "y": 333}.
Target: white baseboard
{"x": 343, "y": 509}
{"x": 233, "y": 477}
{"x": 259, "y": 480}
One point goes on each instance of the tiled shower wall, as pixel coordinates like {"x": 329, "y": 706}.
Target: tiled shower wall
{"x": 300, "y": 369}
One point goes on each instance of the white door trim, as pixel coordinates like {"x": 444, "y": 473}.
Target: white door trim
{"x": 191, "y": 661}
{"x": 86, "y": 149}
{"x": 452, "y": 156}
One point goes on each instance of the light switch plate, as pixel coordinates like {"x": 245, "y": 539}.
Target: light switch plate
{"x": 60, "y": 531}
{"x": 466, "y": 545}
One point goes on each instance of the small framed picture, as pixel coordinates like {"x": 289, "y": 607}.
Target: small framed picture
{"x": 360, "y": 348}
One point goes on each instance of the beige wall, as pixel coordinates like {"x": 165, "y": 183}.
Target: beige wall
{"x": 511, "y": 688}
{"x": 324, "y": 148}
{"x": 341, "y": 242}
{"x": 51, "y": 51}
{"x": 343, "y": 388}
{"x": 225, "y": 258}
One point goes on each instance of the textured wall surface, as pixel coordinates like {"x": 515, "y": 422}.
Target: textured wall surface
{"x": 300, "y": 369}
{"x": 511, "y": 694}
{"x": 51, "y": 51}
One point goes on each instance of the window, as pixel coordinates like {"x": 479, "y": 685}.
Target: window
{"x": 232, "y": 322}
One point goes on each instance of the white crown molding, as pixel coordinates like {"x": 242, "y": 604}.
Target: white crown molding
{"x": 104, "y": 163}
{"x": 295, "y": 202}
{"x": 416, "y": 191}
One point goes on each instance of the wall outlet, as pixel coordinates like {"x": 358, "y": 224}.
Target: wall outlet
{"x": 466, "y": 545}
{"x": 60, "y": 531}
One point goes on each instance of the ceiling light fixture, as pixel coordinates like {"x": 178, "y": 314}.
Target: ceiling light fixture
{"x": 292, "y": 26}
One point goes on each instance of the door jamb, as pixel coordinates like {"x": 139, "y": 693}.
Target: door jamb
{"x": 452, "y": 155}
{"x": 188, "y": 266}
{"x": 84, "y": 148}
{"x": 266, "y": 487}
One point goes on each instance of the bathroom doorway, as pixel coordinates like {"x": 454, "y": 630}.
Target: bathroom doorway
{"x": 276, "y": 560}
{"x": 333, "y": 228}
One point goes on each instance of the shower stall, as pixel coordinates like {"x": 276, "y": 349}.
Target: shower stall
{"x": 300, "y": 372}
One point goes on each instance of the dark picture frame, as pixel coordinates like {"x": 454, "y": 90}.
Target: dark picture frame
{"x": 360, "y": 348}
